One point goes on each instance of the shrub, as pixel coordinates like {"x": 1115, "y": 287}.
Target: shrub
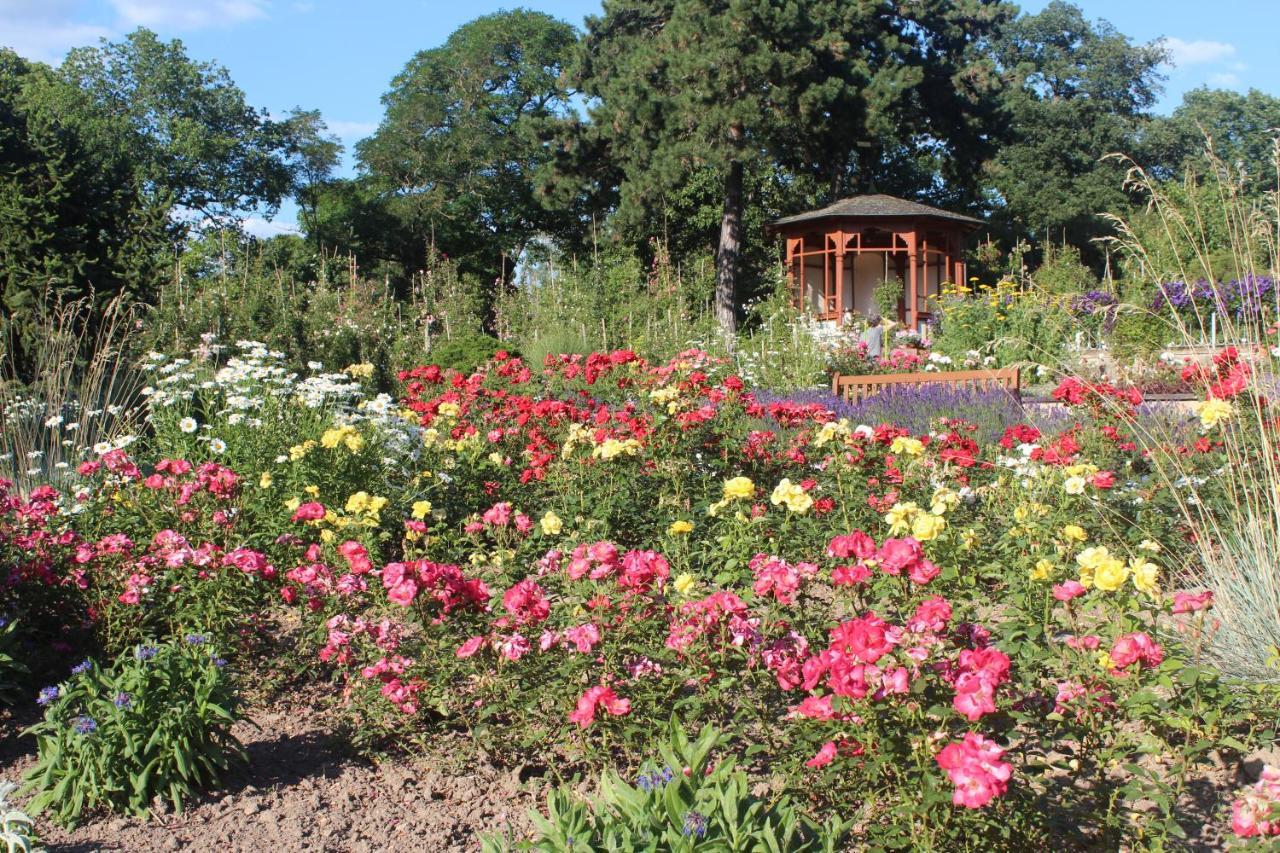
{"x": 157, "y": 723}
{"x": 466, "y": 352}
{"x": 1138, "y": 334}
{"x": 690, "y": 802}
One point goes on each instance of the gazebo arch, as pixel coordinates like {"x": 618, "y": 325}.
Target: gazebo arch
{"x": 836, "y": 256}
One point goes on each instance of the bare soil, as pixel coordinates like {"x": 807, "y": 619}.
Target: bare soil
{"x": 303, "y": 790}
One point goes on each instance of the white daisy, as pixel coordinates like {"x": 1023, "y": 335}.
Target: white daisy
{"x": 188, "y": 425}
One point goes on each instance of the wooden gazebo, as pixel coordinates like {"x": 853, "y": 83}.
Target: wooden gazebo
{"x": 839, "y": 254}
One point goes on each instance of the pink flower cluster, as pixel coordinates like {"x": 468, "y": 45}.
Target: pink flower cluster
{"x": 722, "y": 618}
{"x": 598, "y": 697}
{"x": 1256, "y": 813}
{"x": 775, "y": 576}
{"x": 441, "y": 581}
{"x": 893, "y": 557}
{"x": 1135, "y": 648}
{"x": 975, "y": 767}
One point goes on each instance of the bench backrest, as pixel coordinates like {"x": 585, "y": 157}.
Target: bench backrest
{"x": 856, "y": 388}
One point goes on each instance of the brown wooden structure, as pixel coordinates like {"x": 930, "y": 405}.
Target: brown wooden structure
{"x": 856, "y": 388}
{"x": 836, "y": 256}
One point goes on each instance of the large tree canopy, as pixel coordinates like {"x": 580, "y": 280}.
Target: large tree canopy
{"x": 193, "y": 135}
{"x": 459, "y": 145}
{"x": 75, "y": 217}
{"x": 1239, "y": 127}
{"x": 826, "y": 90}
{"x": 1084, "y": 91}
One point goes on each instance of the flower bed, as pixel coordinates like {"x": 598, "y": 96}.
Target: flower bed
{"x": 941, "y": 633}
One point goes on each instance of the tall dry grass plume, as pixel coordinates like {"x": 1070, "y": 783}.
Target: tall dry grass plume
{"x": 74, "y": 394}
{"x": 1218, "y": 231}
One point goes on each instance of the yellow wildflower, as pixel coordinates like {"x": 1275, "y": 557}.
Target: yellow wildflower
{"x": 264, "y": 482}
{"x": 421, "y": 509}
{"x": 1074, "y": 485}
{"x": 680, "y": 527}
{"x": 1043, "y": 570}
{"x": 684, "y": 584}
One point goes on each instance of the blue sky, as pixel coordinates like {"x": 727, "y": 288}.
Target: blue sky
{"x": 339, "y": 57}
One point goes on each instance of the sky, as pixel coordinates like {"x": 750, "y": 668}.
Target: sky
{"x": 339, "y": 57}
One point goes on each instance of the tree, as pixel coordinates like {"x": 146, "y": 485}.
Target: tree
{"x": 1239, "y": 127}
{"x": 75, "y": 218}
{"x": 312, "y": 154}
{"x": 458, "y": 148}
{"x": 1083, "y": 91}
{"x": 678, "y": 87}
{"x": 193, "y": 135}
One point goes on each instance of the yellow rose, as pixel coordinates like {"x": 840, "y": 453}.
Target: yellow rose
{"x": 449, "y": 410}
{"x": 1043, "y": 570}
{"x": 1148, "y": 545}
{"x": 795, "y": 498}
{"x": 314, "y": 491}
{"x": 354, "y": 441}
{"x": 421, "y": 509}
{"x": 969, "y": 539}
{"x": 1105, "y": 661}
{"x": 684, "y": 584}
{"x": 899, "y": 517}
{"x": 264, "y": 482}
{"x": 926, "y": 526}
{"x": 1214, "y": 412}
{"x": 679, "y": 527}
{"x": 1110, "y": 574}
{"x": 1074, "y": 533}
{"x": 551, "y": 524}
{"x": 904, "y": 444}
{"x": 739, "y": 488}
{"x": 1145, "y": 575}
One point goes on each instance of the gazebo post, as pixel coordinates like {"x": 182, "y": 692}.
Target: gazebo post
{"x": 839, "y": 277}
{"x": 911, "y": 277}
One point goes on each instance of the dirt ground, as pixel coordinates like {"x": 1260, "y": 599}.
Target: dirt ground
{"x": 303, "y": 791}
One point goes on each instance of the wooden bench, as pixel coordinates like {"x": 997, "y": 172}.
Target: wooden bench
{"x": 857, "y": 388}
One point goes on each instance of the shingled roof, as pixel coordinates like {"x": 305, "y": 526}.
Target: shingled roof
{"x": 877, "y": 206}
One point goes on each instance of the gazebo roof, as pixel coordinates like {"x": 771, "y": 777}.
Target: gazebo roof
{"x": 877, "y": 206}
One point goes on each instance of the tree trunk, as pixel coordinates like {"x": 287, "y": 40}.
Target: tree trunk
{"x": 728, "y": 250}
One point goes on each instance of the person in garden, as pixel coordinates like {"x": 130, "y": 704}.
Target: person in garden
{"x": 873, "y": 337}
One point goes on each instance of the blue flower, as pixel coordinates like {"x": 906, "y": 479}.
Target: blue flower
{"x": 83, "y": 666}
{"x": 197, "y": 639}
{"x": 695, "y": 824}
{"x": 47, "y": 695}
{"x": 84, "y": 724}
{"x": 219, "y": 662}
{"x": 123, "y": 700}
{"x": 146, "y": 652}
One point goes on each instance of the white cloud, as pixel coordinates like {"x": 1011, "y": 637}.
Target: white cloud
{"x": 263, "y": 228}
{"x": 351, "y": 129}
{"x": 188, "y": 15}
{"x": 49, "y": 42}
{"x": 1224, "y": 79}
{"x": 1198, "y": 52}
{"x": 46, "y": 29}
